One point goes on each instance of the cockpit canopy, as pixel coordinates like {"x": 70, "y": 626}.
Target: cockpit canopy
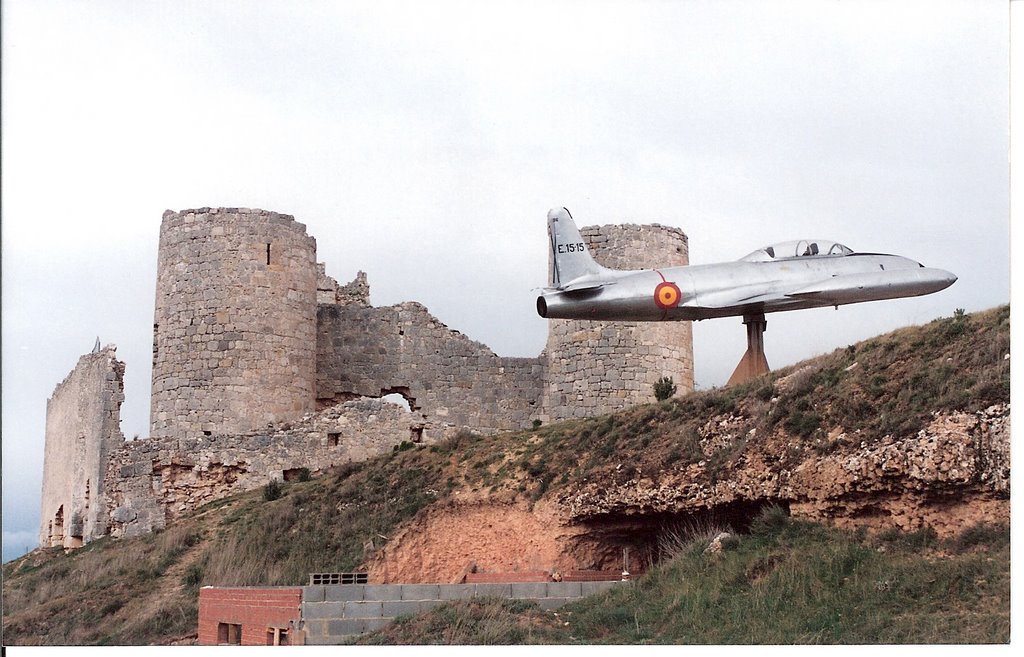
{"x": 798, "y": 249}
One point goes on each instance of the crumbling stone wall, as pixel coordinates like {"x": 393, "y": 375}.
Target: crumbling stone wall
{"x": 83, "y": 427}
{"x": 151, "y": 482}
{"x": 234, "y": 334}
{"x": 593, "y": 368}
{"x": 454, "y": 382}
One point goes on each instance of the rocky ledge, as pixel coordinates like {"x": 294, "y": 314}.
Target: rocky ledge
{"x": 953, "y": 473}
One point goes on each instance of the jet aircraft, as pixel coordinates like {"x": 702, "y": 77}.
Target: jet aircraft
{"x": 786, "y": 276}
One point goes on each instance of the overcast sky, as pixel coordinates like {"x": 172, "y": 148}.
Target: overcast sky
{"x": 424, "y": 143}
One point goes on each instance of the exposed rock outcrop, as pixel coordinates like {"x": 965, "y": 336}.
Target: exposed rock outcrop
{"x": 953, "y": 473}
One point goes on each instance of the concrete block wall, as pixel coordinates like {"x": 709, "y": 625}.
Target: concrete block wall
{"x": 331, "y": 614}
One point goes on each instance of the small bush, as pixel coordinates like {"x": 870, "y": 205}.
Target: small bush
{"x": 111, "y": 607}
{"x": 664, "y": 388}
{"x": 305, "y": 475}
{"x": 770, "y": 521}
{"x": 909, "y": 541}
{"x": 193, "y": 576}
{"x": 981, "y": 535}
{"x": 803, "y": 423}
{"x": 273, "y": 490}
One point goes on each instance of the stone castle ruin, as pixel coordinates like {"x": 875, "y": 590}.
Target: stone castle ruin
{"x": 264, "y": 367}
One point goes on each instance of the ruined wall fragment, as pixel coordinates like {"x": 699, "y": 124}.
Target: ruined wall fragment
{"x": 151, "y": 482}
{"x": 83, "y": 427}
{"x": 453, "y": 382}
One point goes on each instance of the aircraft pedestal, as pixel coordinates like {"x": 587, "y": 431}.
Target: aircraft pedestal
{"x": 753, "y": 364}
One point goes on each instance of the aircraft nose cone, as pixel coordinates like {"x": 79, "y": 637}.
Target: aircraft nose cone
{"x": 948, "y": 277}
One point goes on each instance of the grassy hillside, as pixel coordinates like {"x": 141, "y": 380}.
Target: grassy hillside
{"x": 143, "y": 590}
{"x": 785, "y": 582}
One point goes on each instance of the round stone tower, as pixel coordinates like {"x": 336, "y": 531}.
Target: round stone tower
{"x": 234, "y": 334}
{"x": 592, "y": 367}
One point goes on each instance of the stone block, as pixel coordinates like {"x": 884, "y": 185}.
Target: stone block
{"x": 346, "y": 627}
{"x": 421, "y": 592}
{"x": 313, "y": 594}
{"x": 456, "y": 591}
{"x": 493, "y": 590}
{"x": 382, "y": 592}
{"x": 343, "y": 592}
{"x": 529, "y": 589}
{"x": 565, "y": 589}
{"x": 396, "y": 608}
{"x": 371, "y": 609}
{"x": 315, "y": 629}
{"x": 323, "y": 610}
{"x": 374, "y": 624}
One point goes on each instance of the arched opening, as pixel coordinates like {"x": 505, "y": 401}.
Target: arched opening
{"x": 400, "y": 395}
{"x": 57, "y": 528}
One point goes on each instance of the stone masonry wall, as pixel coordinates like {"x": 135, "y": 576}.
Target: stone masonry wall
{"x": 234, "y": 333}
{"x": 452, "y": 381}
{"x": 83, "y": 419}
{"x": 151, "y": 482}
{"x": 592, "y": 367}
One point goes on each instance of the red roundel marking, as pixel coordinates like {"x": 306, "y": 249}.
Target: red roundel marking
{"x": 667, "y": 295}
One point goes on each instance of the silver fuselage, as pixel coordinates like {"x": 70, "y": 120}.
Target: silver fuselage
{"x": 743, "y": 288}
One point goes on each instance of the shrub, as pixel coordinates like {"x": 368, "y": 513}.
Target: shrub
{"x": 664, "y": 388}
{"x": 914, "y": 541}
{"x": 272, "y": 490}
{"x": 769, "y": 521}
{"x": 980, "y": 535}
{"x": 193, "y": 576}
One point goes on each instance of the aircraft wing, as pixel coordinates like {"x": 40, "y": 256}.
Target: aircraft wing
{"x": 760, "y": 292}
{"x": 584, "y": 286}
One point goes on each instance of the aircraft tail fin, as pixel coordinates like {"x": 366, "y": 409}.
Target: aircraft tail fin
{"x": 570, "y": 256}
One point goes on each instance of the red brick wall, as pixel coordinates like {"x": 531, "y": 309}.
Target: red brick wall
{"x": 544, "y": 576}
{"x": 505, "y": 578}
{"x": 252, "y": 608}
{"x": 591, "y": 576}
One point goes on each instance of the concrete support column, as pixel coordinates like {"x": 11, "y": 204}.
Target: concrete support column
{"x": 753, "y": 364}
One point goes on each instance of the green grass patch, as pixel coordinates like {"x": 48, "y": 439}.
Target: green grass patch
{"x": 787, "y": 582}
